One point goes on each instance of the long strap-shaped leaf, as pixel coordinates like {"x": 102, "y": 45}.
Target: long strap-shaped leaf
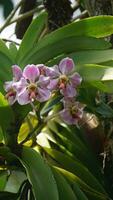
{"x": 65, "y": 191}
{"x": 4, "y": 49}
{"x": 32, "y": 35}
{"x": 89, "y": 191}
{"x": 75, "y": 167}
{"x": 40, "y": 175}
{"x": 63, "y": 46}
{"x": 62, "y": 185}
{"x": 99, "y": 26}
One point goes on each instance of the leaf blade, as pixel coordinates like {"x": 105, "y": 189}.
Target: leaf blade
{"x": 39, "y": 175}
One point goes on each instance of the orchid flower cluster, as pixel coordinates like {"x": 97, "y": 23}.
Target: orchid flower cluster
{"x": 39, "y": 82}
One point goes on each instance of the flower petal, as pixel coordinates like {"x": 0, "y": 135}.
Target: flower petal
{"x": 31, "y": 72}
{"x": 69, "y": 91}
{"x": 23, "y": 97}
{"x": 53, "y": 72}
{"x": 66, "y": 65}
{"x": 66, "y": 116}
{"x": 17, "y": 72}
{"x": 12, "y": 99}
{"x": 76, "y": 79}
{"x": 42, "y": 69}
{"x": 68, "y": 101}
{"x": 43, "y": 81}
{"x": 8, "y": 85}
{"x": 20, "y": 85}
{"x": 43, "y": 95}
{"x": 53, "y": 85}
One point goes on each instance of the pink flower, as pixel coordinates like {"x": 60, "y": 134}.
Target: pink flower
{"x": 42, "y": 69}
{"x": 64, "y": 78}
{"x": 72, "y": 112}
{"x": 11, "y": 95}
{"x": 32, "y": 86}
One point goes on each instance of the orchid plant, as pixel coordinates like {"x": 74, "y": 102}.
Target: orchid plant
{"x": 56, "y": 112}
{"x": 40, "y": 83}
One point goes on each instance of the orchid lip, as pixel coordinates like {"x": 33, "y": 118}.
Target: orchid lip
{"x": 63, "y": 77}
{"x": 10, "y": 93}
{"x": 32, "y": 87}
{"x": 62, "y": 81}
{"x": 74, "y": 111}
{"x": 32, "y": 95}
{"x": 32, "y": 91}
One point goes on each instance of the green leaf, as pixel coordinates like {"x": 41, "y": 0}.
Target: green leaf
{"x": 6, "y": 153}
{"x": 3, "y": 179}
{"x": 93, "y": 72}
{"x": 99, "y": 26}
{"x": 83, "y": 155}
{"x": 60, "y": 180}
{"x": 108, "y": 63}
{"x": 14, "y": 181}
{"x": 89, "y": 191}
{"x": 64, "y": 46}
{"x": 64, "y": 189}
{"x": 1, "y": 135}
{"x": 79, "y": 151}
{"x": 32, "y": 35}
{"x": 21, "y": 110}
{"x": 13, "y": 50}
{"x": 66, "y": 132}
{"x": 6, "y": 113}
{"x": 98, "y": 76}
{"x": 50, "y": 104}
{"x": 40, "y": 175}
{"x": 85, "y": 57}
{"x": 6, "y": 60}
{"x": 102, "y": 86}
{"x": 6, "y": 116}
{"x": 75, "y": 167}
{"x": 104, "y": 110}
{"x": 4, "y": 49}
{"x": 90, "y": 57}
{"x": 8, "y": 196}
{"x": 79, "y": 193}
{"x": 3, "y": 101}
{"x": 5, "y": 70}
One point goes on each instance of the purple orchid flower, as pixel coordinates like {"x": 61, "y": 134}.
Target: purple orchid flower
{"x": 42, "y": 69}
{"x": 32, "y": 86}
{"x": 64, "y": 78}
{"x": 11, "y": 95}
{"x": 72, "y": 112}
